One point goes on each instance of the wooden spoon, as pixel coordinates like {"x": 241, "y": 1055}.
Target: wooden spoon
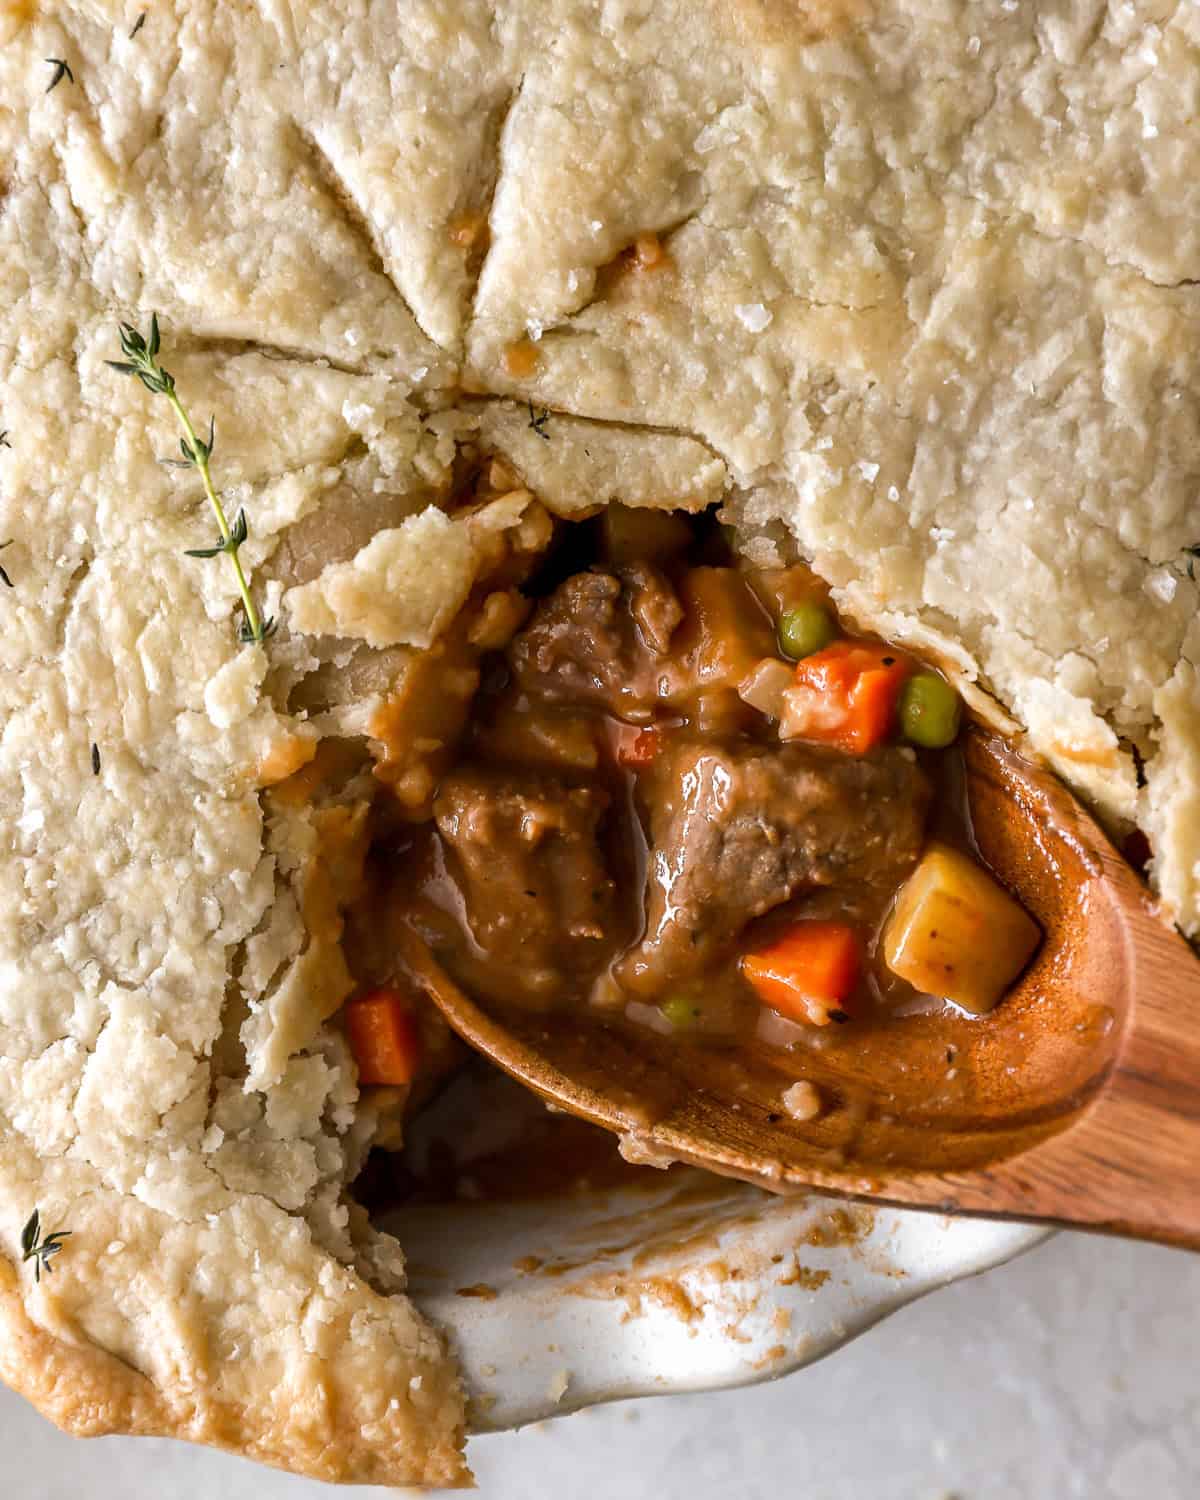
{"x": 1077, "y": 1101}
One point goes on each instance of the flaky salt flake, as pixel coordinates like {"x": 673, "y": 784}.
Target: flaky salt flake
{"x": 869, "y": 471}
{"x": 753, "y": 316}
{"x": 1162, "y": 584}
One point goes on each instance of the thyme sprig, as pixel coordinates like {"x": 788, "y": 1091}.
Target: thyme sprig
{"x": 141, "y": 360}
{"x": 62, "y": 69}
{"x": 4, "y": 578}
{"x": 40, "y": 1250}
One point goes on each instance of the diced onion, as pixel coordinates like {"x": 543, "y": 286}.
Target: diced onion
{"x": 648, "y": 1015}
{"x": 764, "y": 686}
{"x": 807, "y": 712}
{"x": 606, "y": 993}
{"x": 778, "y": 1031}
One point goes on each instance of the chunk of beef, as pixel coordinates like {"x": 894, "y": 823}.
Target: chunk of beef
{"x": 738, "y": 829}
{"x": 629, "y": 640}
{"x": 585, "y": 645}
{"x": 538, "y": 897}
{"x": 654, "y": 605}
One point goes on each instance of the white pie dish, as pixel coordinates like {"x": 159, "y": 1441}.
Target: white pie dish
{"x": 690, "y": 1284}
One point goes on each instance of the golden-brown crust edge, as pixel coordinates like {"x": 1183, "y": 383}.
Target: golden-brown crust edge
{"x": 90, "y": 1393}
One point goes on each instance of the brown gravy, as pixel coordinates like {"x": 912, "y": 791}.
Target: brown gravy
{"x": 903, "y": 1057}
{"x": 548, "y": 875}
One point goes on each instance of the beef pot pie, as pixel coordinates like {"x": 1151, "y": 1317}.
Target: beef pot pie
{"x": 904, "y": 295}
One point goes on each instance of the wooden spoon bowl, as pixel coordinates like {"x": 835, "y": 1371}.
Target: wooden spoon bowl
{"x": 1077, "y": 1101}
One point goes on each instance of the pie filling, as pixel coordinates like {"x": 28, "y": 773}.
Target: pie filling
{"x": 642, "y": 779}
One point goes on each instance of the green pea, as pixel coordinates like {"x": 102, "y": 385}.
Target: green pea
{"x": 930, "y": 711}
{"x": 680, "y": 1011}
{"x": 805, "y": 629}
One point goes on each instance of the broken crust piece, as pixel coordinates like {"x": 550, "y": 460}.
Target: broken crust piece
{"x": 332, "y": 1382}
{"x": 575, "y": 466}
{"x": 406, "y": 585}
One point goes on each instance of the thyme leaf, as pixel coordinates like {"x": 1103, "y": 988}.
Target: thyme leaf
{"x": 237, "y": 536}
{"x": 95, "y": 759}
{"x": 537, "y": 421}
{"x": 38, "y": 1248}
{"x": 4, "y": 578}
{"x": 4, "y": 442}
{"x": 137, "y": 25}
{"x": 141, "y": 360}
{"x": 62, "y": 69}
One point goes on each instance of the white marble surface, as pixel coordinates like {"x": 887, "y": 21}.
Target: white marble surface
{"x": 1073, "y": 1372}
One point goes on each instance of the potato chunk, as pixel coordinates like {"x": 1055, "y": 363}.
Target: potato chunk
{"x": 956, "y": 933}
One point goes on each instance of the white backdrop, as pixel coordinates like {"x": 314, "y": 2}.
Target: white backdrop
{"x": 1073, "y": 1372}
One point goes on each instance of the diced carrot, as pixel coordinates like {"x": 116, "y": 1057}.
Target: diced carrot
{"x": 383, "y": 1038}
{"x": 466, "y": 229}
{"x": 649, "y": 253}
{"x": 845, "y": 695}
{"x": 521, "y": 359}
{"x": 809, "y": 974}
{"x": 637, "y": 748}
